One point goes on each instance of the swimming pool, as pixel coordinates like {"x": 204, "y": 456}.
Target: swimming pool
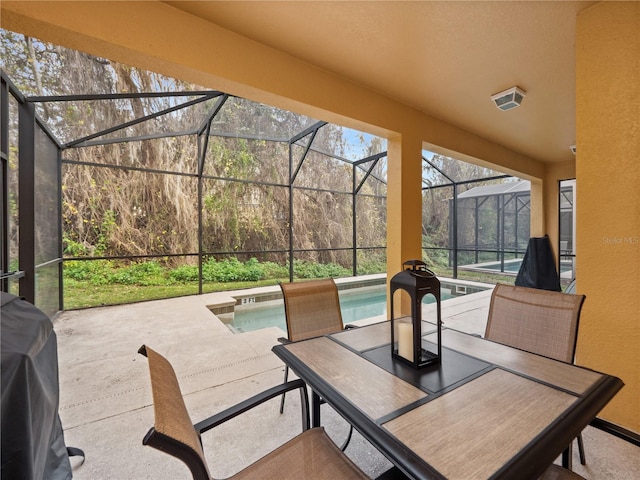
{"x": 356, "y": 304}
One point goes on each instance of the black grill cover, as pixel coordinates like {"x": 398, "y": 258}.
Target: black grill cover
{"x": 538, "y": 268}
{"x": 33, "y": 445}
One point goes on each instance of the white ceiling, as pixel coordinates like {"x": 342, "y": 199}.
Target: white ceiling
{"x": 443, "y": 58}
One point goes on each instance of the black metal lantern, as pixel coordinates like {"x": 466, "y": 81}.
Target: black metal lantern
{"x": 406, "y": 332}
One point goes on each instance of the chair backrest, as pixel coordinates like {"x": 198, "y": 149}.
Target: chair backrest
{"x": 538, "y": 321}
{"x": 173, "y": 432}
{"x": 311, "y": 308}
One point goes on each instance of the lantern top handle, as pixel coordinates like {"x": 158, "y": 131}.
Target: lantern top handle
{"x": 415, "y": 265}
{"x": 418, "y": 269}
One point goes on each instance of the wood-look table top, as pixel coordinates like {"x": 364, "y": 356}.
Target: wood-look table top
{"x": 488, "y": 411}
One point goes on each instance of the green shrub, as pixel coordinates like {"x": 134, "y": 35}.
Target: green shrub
{"x": 96, "y": 272}
{"x": 84, "y": 273}
{"x": 143, "y": 273}
{"x": 435, "y": 258}
{"x": 73, "y": 248}
{"x": 213, "y": 271}
{"x": 253, "y": 270}
{"x": 229, "y": 270}
{"x": 184, "y": 273}
{"x": 273, "y": 270}
{"x": 368, "y": 267}
{"x": 232, "y": 270}
{"x": 306, "y": 269}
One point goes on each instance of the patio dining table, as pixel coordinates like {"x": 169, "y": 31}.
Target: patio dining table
{"x": 486, "y": 411}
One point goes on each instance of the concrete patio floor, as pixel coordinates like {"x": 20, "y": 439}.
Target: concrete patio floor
{"x": 106, "y": 405}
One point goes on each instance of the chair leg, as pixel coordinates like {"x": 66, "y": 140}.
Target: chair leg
{"x": 316, "y": 414}
{"x": 583, "y": 459}
{"x": 286, "y": 377}
{"x": 346, "y": 442}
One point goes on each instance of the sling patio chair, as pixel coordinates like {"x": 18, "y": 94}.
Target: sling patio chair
{"x": 556, "y": 472}
{"x": 310, "y": 455}
{"x": 537, "y": 321}
{"x": 312, "y": 309}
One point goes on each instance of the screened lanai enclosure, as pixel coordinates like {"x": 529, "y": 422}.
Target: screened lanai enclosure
{"x": 193, "y": 178}
{"x": 117, "y": 180}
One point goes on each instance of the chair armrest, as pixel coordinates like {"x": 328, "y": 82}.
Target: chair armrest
{"x": 256, "y": 400}
{"x": 284, "y": 340}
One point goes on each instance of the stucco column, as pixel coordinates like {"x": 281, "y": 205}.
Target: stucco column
{"x": 608, "y": 200}
{"x": 537, "y": 204}
{"x": 404, "y": 204}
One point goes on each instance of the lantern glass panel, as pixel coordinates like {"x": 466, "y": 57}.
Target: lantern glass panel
{"x": 417, "y": 282}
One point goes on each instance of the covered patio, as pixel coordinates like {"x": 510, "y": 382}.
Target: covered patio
{"x": 420, "y": 75}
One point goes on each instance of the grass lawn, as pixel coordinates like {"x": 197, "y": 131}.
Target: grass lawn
{"x": 83, "y": 294}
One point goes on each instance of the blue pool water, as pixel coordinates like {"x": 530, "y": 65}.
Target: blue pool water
{"x": 355, "y": 305}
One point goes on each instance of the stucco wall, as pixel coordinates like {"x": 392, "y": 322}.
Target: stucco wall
{"x": 608, "y": 198}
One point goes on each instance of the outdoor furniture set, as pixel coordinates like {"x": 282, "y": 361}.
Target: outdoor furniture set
{"x": 504, "y": 406}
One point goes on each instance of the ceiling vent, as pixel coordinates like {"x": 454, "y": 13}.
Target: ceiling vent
{"x": 508, "y": 99}
{"x": 573, "y": 149}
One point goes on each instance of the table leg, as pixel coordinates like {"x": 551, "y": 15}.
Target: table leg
{"x": 566, "y": 457}
{"x": 315, "y": 409}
